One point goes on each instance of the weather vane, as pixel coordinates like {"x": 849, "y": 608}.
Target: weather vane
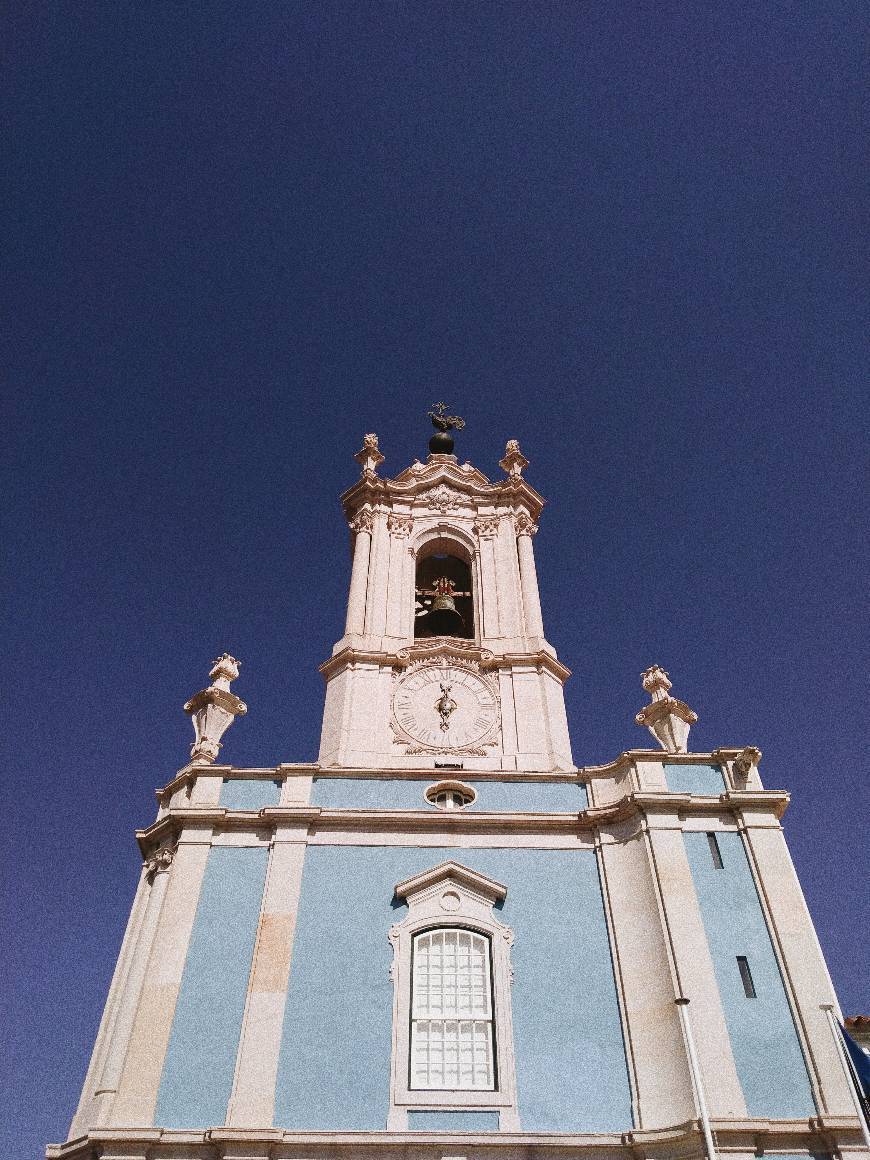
{"x": 441, "y": 442}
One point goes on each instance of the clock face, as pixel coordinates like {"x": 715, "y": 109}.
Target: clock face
{"x": 445, "y": 708}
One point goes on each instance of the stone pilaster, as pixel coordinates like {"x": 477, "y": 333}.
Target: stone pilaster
{"x": 156, "y": 872}
{"x": 661, "y": 1083}
{"x": 252, "y": 1103}
{"x": 691, "y": 962}
{"x": 122, "y": 994}
{"x": 805, "y": 974}
{"x": 140, "y": 1077}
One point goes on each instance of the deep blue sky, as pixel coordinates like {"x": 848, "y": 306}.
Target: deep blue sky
{"x": 238, "y": 236}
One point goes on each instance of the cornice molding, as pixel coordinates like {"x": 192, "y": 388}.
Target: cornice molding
{"x": 814, "y": 1135}
{"x": 657, "y": 804}
{"x": 448, "y": 648}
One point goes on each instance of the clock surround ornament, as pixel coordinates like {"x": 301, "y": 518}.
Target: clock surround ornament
{"x": 444, "y": 704}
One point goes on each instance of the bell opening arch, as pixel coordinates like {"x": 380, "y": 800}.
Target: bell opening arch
{"x": 445, "y": 586}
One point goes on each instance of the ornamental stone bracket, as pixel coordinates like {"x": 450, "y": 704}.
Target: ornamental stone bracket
{"x": 668, "y": 719}
{"x": 158, "y": 862}
{"x": 213, "y": 710}
{"x": 744, "y": 762}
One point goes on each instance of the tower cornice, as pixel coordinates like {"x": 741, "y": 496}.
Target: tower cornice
{"x": 413, "y": 487}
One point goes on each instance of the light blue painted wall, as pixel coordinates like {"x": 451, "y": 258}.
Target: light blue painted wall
{"x": 699, "y": 779}
{"x": 249, "y": 793}
{"x": 360, "y": 793}
{"x": 453, "y": 1121}
{"x": 334, "y": 1069}
{"x": 200, "y": 1061}
{"x": 764, "y": 1041}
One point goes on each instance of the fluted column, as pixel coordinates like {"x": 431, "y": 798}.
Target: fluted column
{"x": 359, "y": 576}
{"x": 528, "y": 576}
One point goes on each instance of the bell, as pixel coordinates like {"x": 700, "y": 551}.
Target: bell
{"x": 443, "y": 618}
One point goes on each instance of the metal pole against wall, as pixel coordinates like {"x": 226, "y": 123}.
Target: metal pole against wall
{"x": 848, "y": 1067}
{"x": 695, "y": 1068}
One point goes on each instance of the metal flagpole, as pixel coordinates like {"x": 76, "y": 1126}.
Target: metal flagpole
{"x": 695, "y": 1068}
{"x": 848, "y": 1067}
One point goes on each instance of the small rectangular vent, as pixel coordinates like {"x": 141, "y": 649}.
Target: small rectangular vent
{"x": 715, "y": 852}
{"x": 746, "y": 977}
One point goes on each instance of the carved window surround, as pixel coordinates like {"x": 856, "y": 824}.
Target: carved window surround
{"x": 451, "y": 895}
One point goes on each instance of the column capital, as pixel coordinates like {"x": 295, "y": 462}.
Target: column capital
{"x": 525, "y": 525}
{"x": 363, "y": 521}
{"x": 486, "y": 526}
{"x": 399, "y": 526}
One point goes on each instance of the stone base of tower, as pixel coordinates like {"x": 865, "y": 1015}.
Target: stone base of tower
{"x": 739, "y": 1140}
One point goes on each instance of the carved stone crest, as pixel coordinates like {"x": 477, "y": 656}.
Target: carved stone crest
{"x": 442, "y": 497}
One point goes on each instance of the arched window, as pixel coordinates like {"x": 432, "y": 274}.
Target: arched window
{"x": 451, "y": 972}
{"x": 443, "y": 602}
{"x": 452, "y": 1044}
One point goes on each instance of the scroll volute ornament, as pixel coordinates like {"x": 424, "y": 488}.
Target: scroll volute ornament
{"x": 214, "y": 709}
{"x": 668, "y": 719}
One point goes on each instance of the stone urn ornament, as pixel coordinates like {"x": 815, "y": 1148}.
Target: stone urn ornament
{"x": 214, "y": 709}
{"x": 668, "y": 719}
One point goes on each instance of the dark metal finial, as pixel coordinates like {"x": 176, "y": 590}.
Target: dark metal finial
{"x": 441, "y": 442}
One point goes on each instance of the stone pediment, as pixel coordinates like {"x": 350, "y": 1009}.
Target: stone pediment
{"x": 456, "y": 873}
{"x": 444, "y": 486}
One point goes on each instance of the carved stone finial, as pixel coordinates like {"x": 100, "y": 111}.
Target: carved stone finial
{"x": 369, "y": 456}
{"x": 514, "y": 461}
{"x": 668, "y": 719}
{"x": 224, "y": 670}
{"x": 214, "y": 709}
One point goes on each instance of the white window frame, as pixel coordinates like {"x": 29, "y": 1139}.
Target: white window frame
{"x": 452, "y": 895}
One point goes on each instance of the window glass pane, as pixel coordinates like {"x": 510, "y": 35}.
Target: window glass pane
{"x": 452, "y": 1054}
{"x": 451, "y": 1033}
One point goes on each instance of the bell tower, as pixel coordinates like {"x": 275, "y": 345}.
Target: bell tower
{"x": 443, "y": 656}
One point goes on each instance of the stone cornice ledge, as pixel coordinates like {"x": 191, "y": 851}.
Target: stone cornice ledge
{"x": 175, "y": 820}
{"x": 816, "y": 1134}
{"x": 541, "y": 659}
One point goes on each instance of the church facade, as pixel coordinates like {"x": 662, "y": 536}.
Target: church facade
{"x": 444, "y": 940}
